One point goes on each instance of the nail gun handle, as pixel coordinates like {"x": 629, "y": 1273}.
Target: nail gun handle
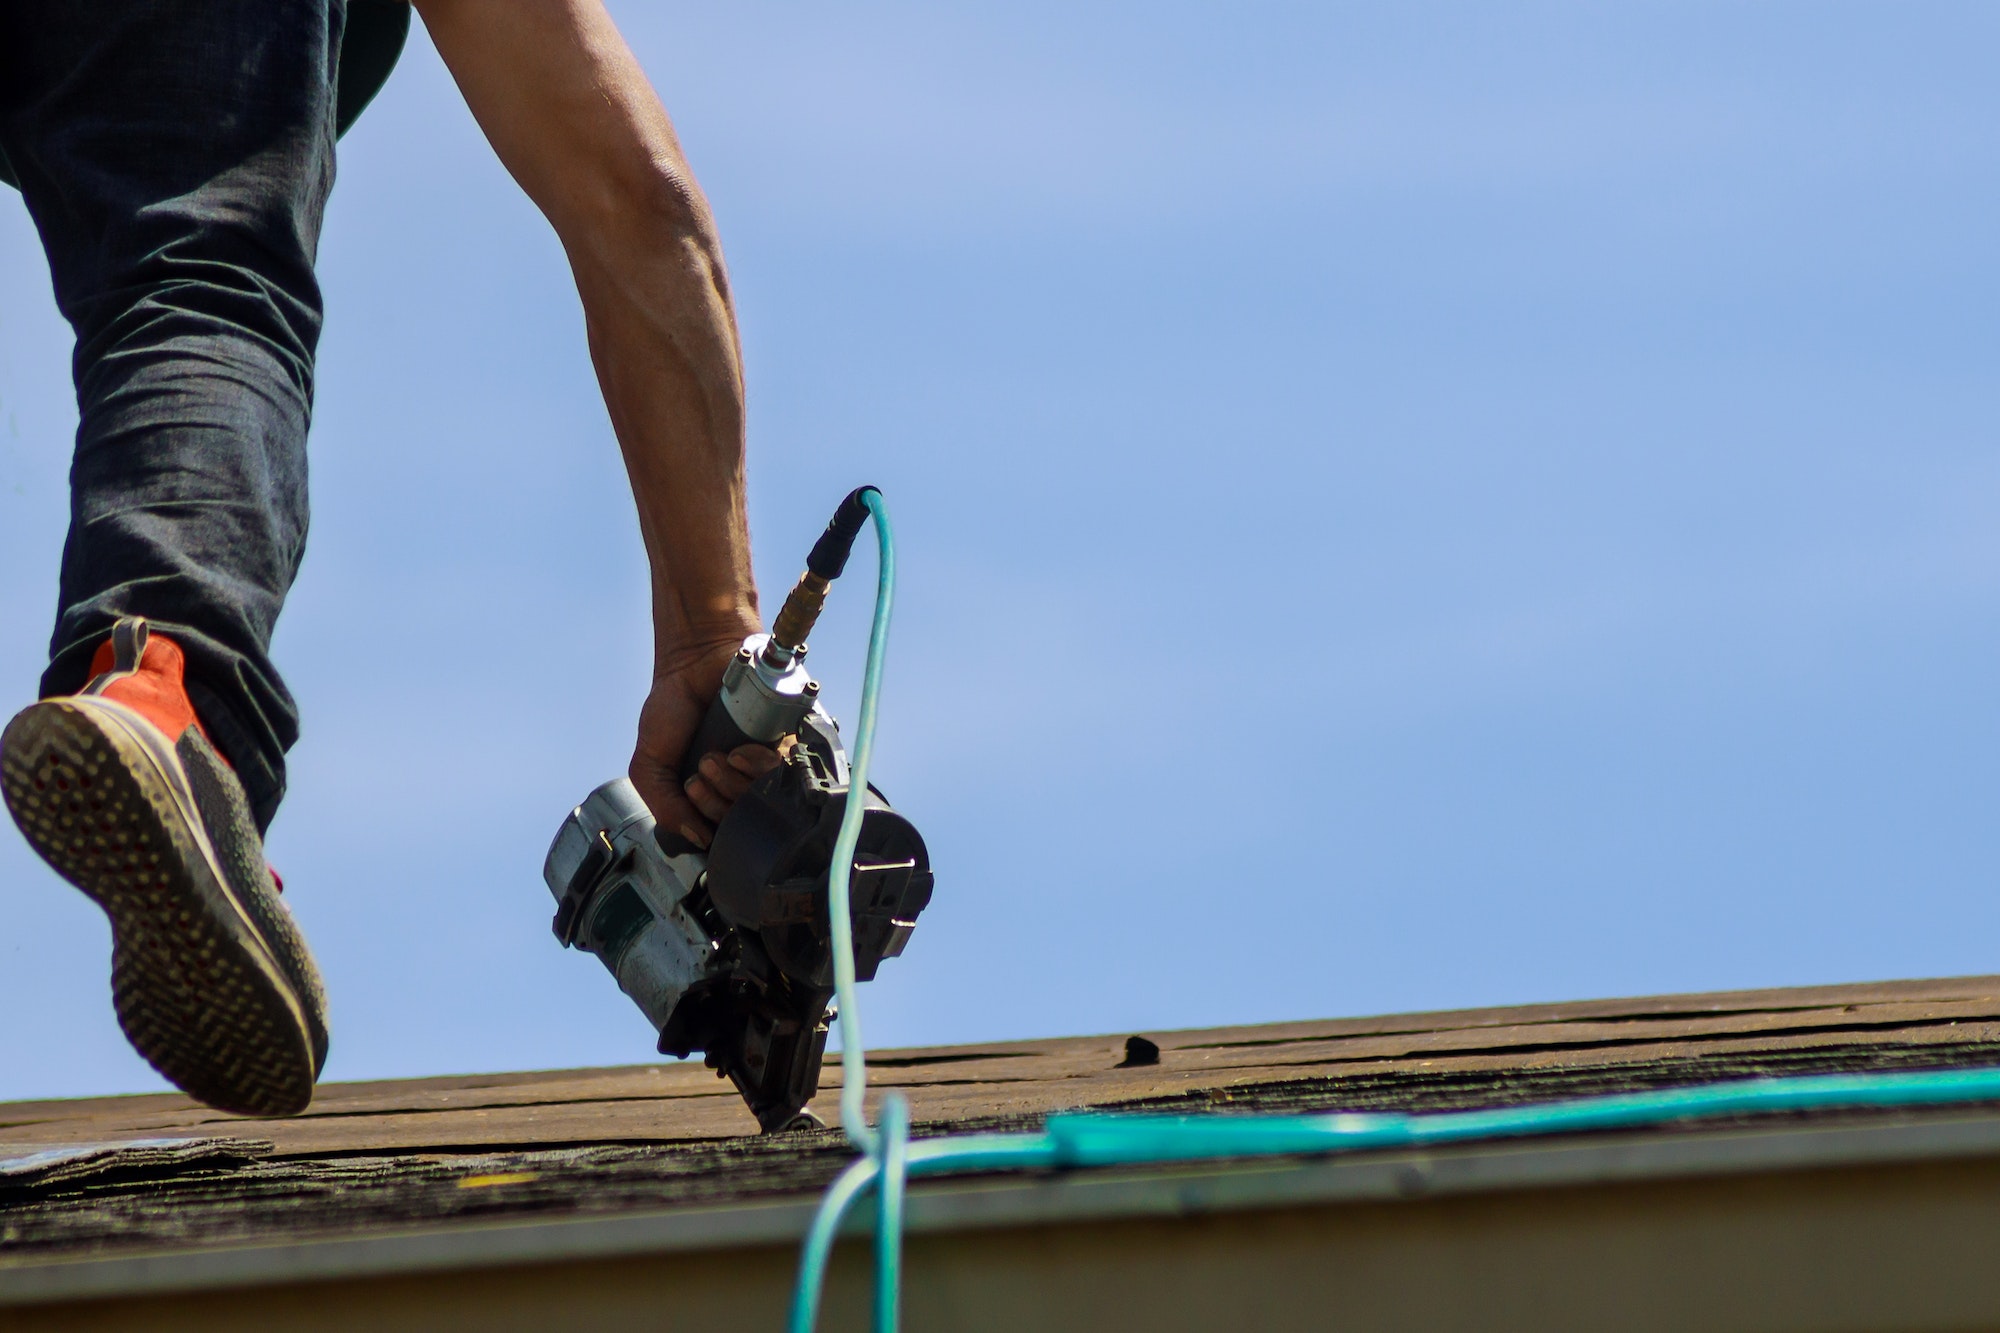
{"x": 718, "y": 732}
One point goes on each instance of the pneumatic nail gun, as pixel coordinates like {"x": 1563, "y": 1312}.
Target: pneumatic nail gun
{"x": 729, "y": 951}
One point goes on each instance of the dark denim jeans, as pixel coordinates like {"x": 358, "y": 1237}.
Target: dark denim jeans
{"x": 176, "y": 157}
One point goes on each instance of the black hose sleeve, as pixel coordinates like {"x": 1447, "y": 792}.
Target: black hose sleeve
{"x": 830, "y": 552}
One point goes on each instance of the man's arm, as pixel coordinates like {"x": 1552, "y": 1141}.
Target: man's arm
{"x": 570, "y": 113}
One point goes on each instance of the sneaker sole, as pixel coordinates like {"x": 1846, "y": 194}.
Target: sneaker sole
{"x": 195, "y": 988}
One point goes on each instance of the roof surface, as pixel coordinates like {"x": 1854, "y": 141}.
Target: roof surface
{"x": 650, "y": 1137}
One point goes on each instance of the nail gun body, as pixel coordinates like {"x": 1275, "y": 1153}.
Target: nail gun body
{"x": 729, "y": 951}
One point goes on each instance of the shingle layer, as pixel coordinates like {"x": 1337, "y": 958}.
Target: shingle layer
{"x": 424, "y": 1151}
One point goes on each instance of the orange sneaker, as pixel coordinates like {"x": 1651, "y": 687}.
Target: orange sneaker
{"x": 120, "y": 791}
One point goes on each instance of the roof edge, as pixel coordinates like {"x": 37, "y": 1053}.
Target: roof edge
{"x": 1015, "y": 1201}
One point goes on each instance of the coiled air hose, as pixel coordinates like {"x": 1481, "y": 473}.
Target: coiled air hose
{"x": 1087, "y": 1139}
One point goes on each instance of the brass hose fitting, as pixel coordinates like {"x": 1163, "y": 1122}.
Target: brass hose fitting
{"x": 823, "y": 565}
{"x": 800, "y": 613}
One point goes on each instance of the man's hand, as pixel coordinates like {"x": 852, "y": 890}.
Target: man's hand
{"x": 691, "y": 803}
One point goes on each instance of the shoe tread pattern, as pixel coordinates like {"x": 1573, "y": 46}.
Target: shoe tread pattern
{"x": 225, "y": 814}
{"x": 196, "y": 993}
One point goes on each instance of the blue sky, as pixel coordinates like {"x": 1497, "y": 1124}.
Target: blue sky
{"x": 1401, "y": 506}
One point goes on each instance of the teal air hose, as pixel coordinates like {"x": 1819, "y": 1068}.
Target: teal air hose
{"x": 895, "y": 1159}
{"x": 1107, "y": 1139}
{"x": 853, "y": 1065}
{"x": 883, "y": 1151}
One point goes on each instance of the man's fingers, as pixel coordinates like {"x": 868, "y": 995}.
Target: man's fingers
{"x": 712, "y": 807}
{"x": 663, "y": 796}
{"x": 720, "y": 780}
{"x": 724, "y": 778}
{"x": 754, "y": 761}
{"x": 705, "y": 798}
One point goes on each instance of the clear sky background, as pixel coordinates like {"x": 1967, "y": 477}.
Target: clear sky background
{"x": 1402, "y": 506}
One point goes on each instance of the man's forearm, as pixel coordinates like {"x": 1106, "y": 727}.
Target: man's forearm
{"x": 572, "y": 116}
{"x": 669, "y": 370}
